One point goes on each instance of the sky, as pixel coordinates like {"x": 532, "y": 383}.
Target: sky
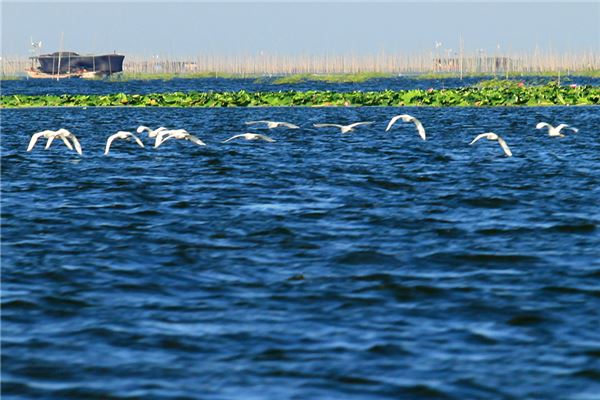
{"x": 192, "y": 28}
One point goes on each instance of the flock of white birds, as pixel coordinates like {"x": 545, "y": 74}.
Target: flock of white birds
{"x": 162, "y": 134}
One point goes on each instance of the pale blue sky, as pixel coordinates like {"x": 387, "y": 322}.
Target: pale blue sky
{"x": 302, "y": 27}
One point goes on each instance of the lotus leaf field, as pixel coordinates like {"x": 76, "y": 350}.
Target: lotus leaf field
{"x": 492, "y": 93}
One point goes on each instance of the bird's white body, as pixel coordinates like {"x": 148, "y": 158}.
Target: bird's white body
{"x": 47, "y": 134}
{"x": 408, "y": 118}
{"x": 121, "y": 135}
{"x": 180, "y": 134}
{"x": 555, "y": 130}
{"x": 274, "y": 124}
{"x": 250, "y": 136}
{"x": 62, "y": 134}
{"x": 160, "y": 136}
{"x": 343, "y": 128}
{"x": 151, "y": 132}
{"x": 493, "y": 136}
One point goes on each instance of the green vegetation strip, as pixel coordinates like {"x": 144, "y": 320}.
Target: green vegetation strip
{"x": 357, "y": 77}
{"x": 330, "y": 78}
{"x": 488, "y": 94}
{"x": 565, "y": 76}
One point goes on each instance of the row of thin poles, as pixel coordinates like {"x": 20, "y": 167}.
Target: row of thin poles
{"x": 274, "y": 64}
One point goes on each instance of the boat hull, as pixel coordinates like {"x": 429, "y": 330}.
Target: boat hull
{"x": 37, "y": 74}
{"x": 69, "y": 62}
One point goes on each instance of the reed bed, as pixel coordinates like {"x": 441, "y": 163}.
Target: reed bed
{"x": 382, "y": 63}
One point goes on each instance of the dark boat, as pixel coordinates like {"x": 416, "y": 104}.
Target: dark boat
{"x": 73, "y": 64}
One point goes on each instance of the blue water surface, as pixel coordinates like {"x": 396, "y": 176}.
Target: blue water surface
{"x": 264, "y": 84}
{"x": 372, "y": 265}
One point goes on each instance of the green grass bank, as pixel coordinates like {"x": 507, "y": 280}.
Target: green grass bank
{"x": 491, "y": 93}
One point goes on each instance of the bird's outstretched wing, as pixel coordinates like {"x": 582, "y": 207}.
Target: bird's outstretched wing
{"x": 265, "y": 138}
{"x": 35, "y": 137}
{"x": 288, "y": 125}
{"x": 76, "y": 143}
{"x": 109, "y": 143}
{"x": 160, "y": 137}
{"x": 151, "y": 132}
{"x": 137, "y": 139}
{"x": 195, "y": 140}
{"x": 63, "y": 138}
{"x": 483, "y": 135}
{"x": 565, "y": 126}
{"x": 155, "y": 132}
{"x": 163, "y": 138}
{"x": 420, "y": 128}
{"x": 541, "y": 125}
{"x": 326, "y": 125}
{"x": 504, "y": 147}
{"x": 143, "y": 128}
{"x": 392, "y": 122}
{"x": 359, "y": 124}
{"x": 51, "y": 139}
{"x": 233, "y": 137}
{"x": 64, "y": 134}
{"x": 257, "y": 122}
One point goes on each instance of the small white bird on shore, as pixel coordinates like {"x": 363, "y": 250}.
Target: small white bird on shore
{"x": 493, "y": 136}
{"x": 343, "y": 128}
{"x": 555, "y": 131}
{"x": 408, "y": 118}
{"x": 180, "y": 134}
{"x": 274, "y": 124}
{"x": 251, "y": 136}
{"x": 121, "y": 135}
{"x": 151, "y": 132}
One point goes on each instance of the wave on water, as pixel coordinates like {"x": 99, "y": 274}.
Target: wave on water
{"x": 363, "y": 266}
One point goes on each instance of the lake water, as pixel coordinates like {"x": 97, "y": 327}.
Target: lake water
{"x": 265, "y": 84}
{"x": 370, "y": 265}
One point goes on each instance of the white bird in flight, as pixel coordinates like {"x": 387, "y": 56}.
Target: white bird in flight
{"x": 555, "y": 131}
{"x": 121, "y": 135}
{"x": 251, "y": 136}
{"x": 408, "y": 118}
{"x": 47, "y": 134}
{"x": 62, "y": 134}
{"x": 181, "y": 134}
{"x": 274, "y": 124}
{"x": 151, "y": 133}
{"x": 344, "y": 128}
{"x": 162, "y": 132}
{"x": 493, "y": 136}
{"x": 65, "y": 134}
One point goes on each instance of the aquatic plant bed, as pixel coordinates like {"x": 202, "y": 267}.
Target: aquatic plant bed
{"x": 487, "y": 95}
